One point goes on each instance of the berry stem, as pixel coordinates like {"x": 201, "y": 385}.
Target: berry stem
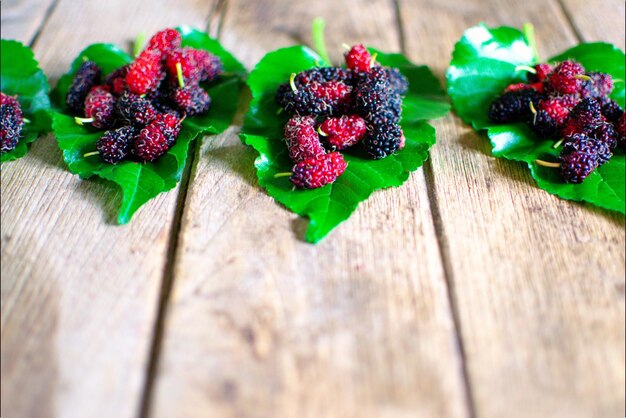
{"x": 318, "y": 39}
{"x": 139, "y": 43}
{"x": 558, "y": 143}
{"x": 179, "y": 74}
{"x": 319, "y": 131}
{"x": 547, "y": 164}
{"x": 373, "y": 60}
{"x": 292, "y": 83}
{"x": 527, "y": 68}
{"x": 584, "y": 77}
{"x": 284, "y": 174}
{"x": 529, "y": 34}
{"x": 534, "y": 112}
{"x": 89, "y": 154}
{"x": 82, "y": 121}
{"x": 25, "y": 120}
{"x": 345, "y": 46}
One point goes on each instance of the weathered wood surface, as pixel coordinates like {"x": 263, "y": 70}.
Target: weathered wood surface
{"x": 538, "y": 282}
{"x": 80, "y": 294}
{"x": 289, "y": 329}
{"x": 467, "y": 292}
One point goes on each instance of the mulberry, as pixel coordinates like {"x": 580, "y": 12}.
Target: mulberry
{"x": 315, "y": 172}
{"x": 114, "y": 145}
{"x": 302, "y": 140}
{"x": 99, "y": 108}
{"x": 135, "y": 110}
{"x": 11, "y": 122}
{"x": 146, "y": 73}
{"x": 87, "y": 76}
{"x": 191, "y": 99}
{"x": 343, "y": 132}
{"x": 382, "y": 141}
{"x": 513, "y": 106}
{"x": 358, "y": 59}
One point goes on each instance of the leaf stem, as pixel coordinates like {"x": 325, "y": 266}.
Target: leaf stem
{"x": 529, "y": 34}
{"x": 179, "y": 74}
{"x": 139, "y": 43}
{"x": 82, "y": 121}
{"x": 547, "y": 164}
{"x": 89, "y": 154}
{"x": 318, "y": 39}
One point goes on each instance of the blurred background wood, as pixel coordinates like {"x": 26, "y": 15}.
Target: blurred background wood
{"x": 467, "y": 292}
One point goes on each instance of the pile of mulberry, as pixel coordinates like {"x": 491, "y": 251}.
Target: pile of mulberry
{"x": 334, "y": 109}
{"x": 11, "y": 122}
{"x": 142, "y": 104}
{"x": 571, "y": 106}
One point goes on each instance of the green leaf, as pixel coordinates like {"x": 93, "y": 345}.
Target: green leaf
{"x": 330, "y": 205}
{"x": 484, "y": 62}
{"x": 21, "y": 76}
{"x": 141, "y": 182}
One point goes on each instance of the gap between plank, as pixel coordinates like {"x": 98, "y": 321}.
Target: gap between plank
{"x": 44, "y": 21}
{"x": 166, "y": 286}
{"x": 443, "y": 245}
{"x": 570, "y": 20}
{"x": 145, "y": 401}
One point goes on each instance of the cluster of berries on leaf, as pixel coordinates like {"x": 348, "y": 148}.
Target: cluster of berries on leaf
{"x": 141, "y": 105}
{"x": 11, "y": 122}
{"x": 333, "y": 109}
{"x": 572, "y": 106}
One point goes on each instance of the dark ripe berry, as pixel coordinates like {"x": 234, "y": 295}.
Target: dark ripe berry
{"x": 587, "y": 145}
{"x": 358, "y": 59}
{"x": 373, "y": 92}
{"x": 87, "y": 76}
{"x": 577, "y": 165}
{"x": 542, "y": 72}
{"x": 165, "y": 41}
{"x": 11, "y": 122}
{"x": 607, "y": 134}
{"x": 621, "y": 130}
{"x": 318, "y": 171}
{"x": 382, "y": 140}
{"x": 135, "y": 110}
{"x": 513, "y": 106}
{"x": 302, "y": 139}
{"x": 153, "y": 141}
{"x": 612, "y": 111}
{"x": 115, "y": 144}
{"x": 343, "y": 132}
{"x": 584, "y": 118}
{"x": 100, "y": 106}
{"x": 322, "y": 75}
{"x": 544, "y": 125}
{"x": 599, "y": 86}
{"x": 196, "y": 65}
{"x": 117, "y": 80}
{"x": 563, "y": 79}
{"x": 385, "y": 116}
{"x": 399, "y": 83}
{"x": 146, "y": 73}
{"x": 315, "y": 98}
{"x": 191, "y": 99}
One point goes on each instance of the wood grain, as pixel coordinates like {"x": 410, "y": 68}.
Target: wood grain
{"x": 538, "y": 282}
{"x": 22, "y": 19}
{"x": 261, "y": 324}
{"x": 597, "y": 20}
{"x": 79, "y": 294}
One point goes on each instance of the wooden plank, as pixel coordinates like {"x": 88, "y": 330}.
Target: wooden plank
{"x": 538, "y": 282}
{"x": 597, "y": 20}
{"x": 79, "y": 294}
{"x": 22, "y": 19}
{"x": 262, "y": 324}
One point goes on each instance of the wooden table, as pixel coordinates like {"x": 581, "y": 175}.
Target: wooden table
{"x": 467, "y": 292}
